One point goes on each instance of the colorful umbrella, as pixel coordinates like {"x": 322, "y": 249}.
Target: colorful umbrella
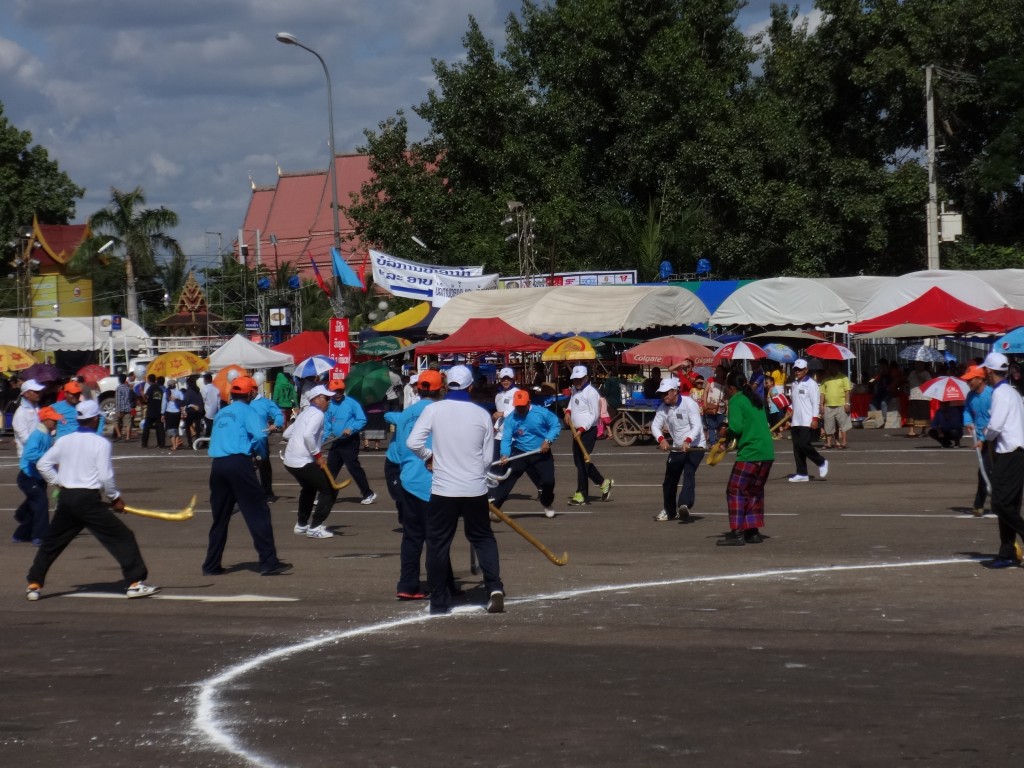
{"x": 177, "y": 365}
{"x": 739, "y": 350}
{"x": 368, "y": 382}
{"x": 921, "y": 353}
{"x": 93, "y": 373}
{"x": 223, "y": 378}
{"x": 667, "y": 351}
{"x": 947, "y": 389}
{"x": 828, "y": 351}
{"x": 44, "y": 373}
{"x": 313, "y": 366}
{"x": 571, "y": 348}
{"x": 780, "y": 353}
{"x": 383, "y": 345}
{"x": 15, "y": 358}
{"x": 1011, "y": 344}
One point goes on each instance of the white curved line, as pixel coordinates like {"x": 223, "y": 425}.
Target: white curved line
{"x": 206, "y": 711}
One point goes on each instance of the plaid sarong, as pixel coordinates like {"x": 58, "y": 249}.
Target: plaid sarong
{"x": 744, "y": 494}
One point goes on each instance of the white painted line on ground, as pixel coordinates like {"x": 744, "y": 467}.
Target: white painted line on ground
{"x": 207, "y": 716}
{"x": 193, "y": 598}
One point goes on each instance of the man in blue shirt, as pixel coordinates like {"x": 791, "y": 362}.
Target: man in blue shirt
{"x": 977, "y": 409}
{"x": 343, "y": 421}
{"x": 33, "y": 514}
{"x": 66, "y": 408}
{"x": 273, "y": 420}
{"x": 237, "y": 437}
{"x": 529, "y": 429}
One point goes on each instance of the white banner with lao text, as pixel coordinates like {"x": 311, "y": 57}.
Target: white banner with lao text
{"x": 410, "y": 279}
{"x": 447, "y": 286}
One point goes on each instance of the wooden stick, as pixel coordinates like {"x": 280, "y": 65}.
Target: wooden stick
{"x": 185, "y": 514}
{"x": 518, "y": 529}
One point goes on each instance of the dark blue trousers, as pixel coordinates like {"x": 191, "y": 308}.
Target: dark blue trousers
{"x": 583, "y": 469}
{"x": 393, "y": 478}
{"x": 443, "y": 513}
{"x": 681, "y": 464}
{"x": 33, "y": 514}
{"x": 233, "y": 480}
{"x": 540, "y": 468}
{"x": 344, "y": 452}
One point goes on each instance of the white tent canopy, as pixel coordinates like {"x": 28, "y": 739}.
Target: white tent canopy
{"x": 71, "y": 334}
{"x": 574, "y": 309}
{"x": 238, "y": 350}
{"x": 899, "y": 291}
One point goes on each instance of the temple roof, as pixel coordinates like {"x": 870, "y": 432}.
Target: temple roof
{"x": 56, "y": 243}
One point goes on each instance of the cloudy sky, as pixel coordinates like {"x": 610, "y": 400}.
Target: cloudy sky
{"x": 189, "y": 99}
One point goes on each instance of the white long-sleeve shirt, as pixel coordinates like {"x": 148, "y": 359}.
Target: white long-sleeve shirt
{"x": 304, "y": 436}
{"x": 80, "y": 460}
{"x": 1006, "y": 420}
{"x": 682, "y": 421}
{"x": 805, "y": 397}
{"x": 585, "y": 407}
{"x": 463, "y": 447}
{"x": 24, "y": 421}
{"x": 503, "y": 405}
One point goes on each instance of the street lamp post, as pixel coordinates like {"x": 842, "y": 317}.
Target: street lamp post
{"x": 290, "y": 39}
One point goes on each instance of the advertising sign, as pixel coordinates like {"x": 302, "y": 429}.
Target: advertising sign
{"x": 338, "y": 346}
{"x": 410, "y": 279}
{"x": 610, "y": 277}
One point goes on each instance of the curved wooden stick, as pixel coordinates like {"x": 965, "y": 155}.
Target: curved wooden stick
{"x": 185, "y": 514}
{"x": 781, "y": 422}
{"x": 334, "y": 483}
{"x": 579, "y": 442}
{"x": 516, "y": 527}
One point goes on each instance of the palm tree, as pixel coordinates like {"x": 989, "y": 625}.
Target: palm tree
{"x": 138, "y": 233}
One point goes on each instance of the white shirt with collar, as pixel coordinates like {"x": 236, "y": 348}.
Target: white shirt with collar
{"x": 805, "y": 397}
{"x": 503, "y": 405}
{"x": 1006, "y": 420}
{"x": 585, "y": 407}
{"x": 463, "y": 447}
{"x": 24, "y": 421}
{"x": 305, "y": 436}
{"x": 80, "y": 460}
{"x": 682, "y": 421}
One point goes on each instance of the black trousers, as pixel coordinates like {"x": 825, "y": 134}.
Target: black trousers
{"x": 583, "y": 469}
{"x": 313, "y": 480}
{"x": 155, "y": 423}
{"x": 1007, "y": 489}
{"x": 344, "y": 452}
{"x": 681, "y": 464}
{"x": 803, "y": 450}
{"x": 33, "y": 514}
{"x": 540, "y": 468}
{"x": 265, "y": 470}
{"x": 393, "y": 479}
{"x": 84, "y": 509}
{"x": 233, "y": 482}
{"x": 443, "y": 513}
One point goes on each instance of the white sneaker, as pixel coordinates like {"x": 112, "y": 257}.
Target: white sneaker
{"x": 549, "y": 513}
{"x": 300, "y": 530}
{"x": 141, "y": 589}
{"x": 496, "y": 603}
{"x": 799, "y": 479}
{"x": 369, "y": 499}
{"x": 661, "y": 517}
{"x": 823, "y": 470}
{"x": 319, "y": 532}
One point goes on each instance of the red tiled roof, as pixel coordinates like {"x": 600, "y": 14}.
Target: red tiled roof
{"x": 57, "y": 241}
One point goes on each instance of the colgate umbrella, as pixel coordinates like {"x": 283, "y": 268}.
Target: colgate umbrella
{"x": 946, "y": 389}
{"x": 739, "y": 350}
{"x": 826, "y": 350}
{"x": 667, "y": 351}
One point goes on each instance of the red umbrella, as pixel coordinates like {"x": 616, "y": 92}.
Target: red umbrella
{"x": 666, "y": 352}
{"x": 739, "y": 350}
{"x": 946, "y": 389}
{"x": 93, "y": 373}
{"x": 829, "y": 351}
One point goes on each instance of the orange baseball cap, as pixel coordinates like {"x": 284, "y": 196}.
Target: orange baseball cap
{"x": 50, "y": 414}
{"x": 73, "y": 388}
{"x": 974, "y": 372}
{"x": 431, "y": 381}
{"x": 336, "y": 385}
{"x": 242, "y": 385}
{"x": 521, "y": 397}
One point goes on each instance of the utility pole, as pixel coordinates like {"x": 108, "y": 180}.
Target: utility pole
{"x": 933, "y": 192}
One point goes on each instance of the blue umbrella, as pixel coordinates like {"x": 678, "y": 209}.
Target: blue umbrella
{"x": 1011, "y": 344}
{"x": 313, "y": 366}
{"x": 921, "y": 353}
{"x": 780, "y": 353}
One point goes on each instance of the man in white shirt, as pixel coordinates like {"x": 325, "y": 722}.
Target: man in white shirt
{"x": 1005, "y": 433}
{"x": 304, "y": 460}
{"x": 805, "y": 402}
{"x": 80, "y": 464}
{"x": 211, "y": 402}
{"x": 462, "y": 449}
{"x": 503, "y": 404}
{"x": 26, "y": 416}
{"x": 581, "y": 416}
{"x": 679, "y": 416}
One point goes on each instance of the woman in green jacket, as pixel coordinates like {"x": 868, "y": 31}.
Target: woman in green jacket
{"x": 284, "y": 396}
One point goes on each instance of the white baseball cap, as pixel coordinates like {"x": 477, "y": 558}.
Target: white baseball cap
{"x": 31, "y": 385}
{"x": 87, "y": 409}
{"x": 579, "y": 372}
{"x": 459, "y": 377}
{"x": 414, "y": 378}
{"x": 506, "y": 373}
{"x": 996, "y": 361}
{"x": 667, "y": 384}
{"x": 319, "y": 390}
{"x": 799, "y": 363}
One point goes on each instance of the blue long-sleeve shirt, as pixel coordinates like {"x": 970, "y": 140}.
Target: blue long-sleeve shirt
{"x": 414, "y": 475}
{"x": 526, "y": 433}
{"x": 237, "y": 430}
{"x": 39, "y": 442}
{"x": 70, "y": 423}
{"x": 977, "y": 409}
{"x": 348, "y": 414}
{"x": 269, "y": 413}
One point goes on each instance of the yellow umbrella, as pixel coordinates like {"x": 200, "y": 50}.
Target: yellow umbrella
{"x": 15, "y": 358}
{"x": 174, "y": 365}
{"x": 571, "y": 348}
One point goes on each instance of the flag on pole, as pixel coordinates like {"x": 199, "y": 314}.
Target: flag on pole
{"x": 362, "y": 269}
{"x": 343, "y": 272}
{"x": 319, "y": 277}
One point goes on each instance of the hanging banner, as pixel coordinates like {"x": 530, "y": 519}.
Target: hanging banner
{"x": 338, "y": 346}
{"x": 447, "y": 286}
{"x": 410, "y": 279}
{"x": 621, "y": 277}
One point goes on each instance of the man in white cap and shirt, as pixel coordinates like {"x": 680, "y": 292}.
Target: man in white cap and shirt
{"x": 26, "y": 416}
{"x": 503, "y": 404}
{"x": 461, "y": 452}
{"x": 679, "y": 415}
{"x": 805, "y": 403}
{"x": 581, "y": 415}
{"x": 305, "y": 462}
{"x": 1005, "y": 433}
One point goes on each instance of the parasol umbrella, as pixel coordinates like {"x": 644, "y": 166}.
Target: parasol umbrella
{"x": 921, "y": 353}
{"x": 313, "y": 366}
{"x": 570, "y": 348}
{"x": 946, "y": 389}
{"x": 223, "y": 378}
{"x": 780, "y": 353}
{"x": 15, "y": 358}
{"x": 383, "y": 345}
{"x": 368, "y": 382}
{"x": 739, "y": 350}
{"x": 1011, "y": 344}
{"x": 44, "y": 373}
{"x": 177, "y": 365}
{"x": 667, "y": 351}
{"x": 826, "y": 350}
{"x": 92, "y": 374}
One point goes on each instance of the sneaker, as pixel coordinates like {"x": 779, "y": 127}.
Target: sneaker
{"x": 753, "y": 536}
{"x": 606, "y": 489}
{"x": 823, "y": 471}
{"x": 300, "y": 530}
{"x": 277, "y": 570}
{"x": 549, "y": 513}
{"x": 731, "y": 541}
{"x": 369, "y": 499}
{"x": 799, "y": 478}
{"x": 577, "y": 499}
{"x": 683, "y": 513}
{"x": 979, "y": 511}
{"x": 662, "y": 517}
{"x": 32, "y": 592}
{"x": 497, "y": 602}
{"x": 319, "y": 532}
{"x": 1000, "y": 562}
{"x": 141, "y": 589}
{"x": 418, "y": 594}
